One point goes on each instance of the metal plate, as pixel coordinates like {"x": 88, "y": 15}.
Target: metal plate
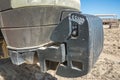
{"x": 5, "y": 5}
{"x": 31, "y": 26}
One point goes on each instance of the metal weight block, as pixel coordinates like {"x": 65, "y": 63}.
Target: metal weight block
{"x": 83, "y": 35}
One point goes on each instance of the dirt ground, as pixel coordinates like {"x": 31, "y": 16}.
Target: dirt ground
{"x": 106, "y": 68}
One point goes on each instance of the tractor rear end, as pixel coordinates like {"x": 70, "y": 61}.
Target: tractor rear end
{"x": 64, "y": 39}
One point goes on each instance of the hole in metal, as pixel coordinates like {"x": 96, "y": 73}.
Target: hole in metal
{"x": 51, "y": 65}
{"x": 78, "y": 65}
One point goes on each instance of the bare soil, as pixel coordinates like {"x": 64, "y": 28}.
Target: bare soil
{"x": 106, "y": 68}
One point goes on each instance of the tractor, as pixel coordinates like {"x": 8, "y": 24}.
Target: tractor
{"x": 55, "y": 31}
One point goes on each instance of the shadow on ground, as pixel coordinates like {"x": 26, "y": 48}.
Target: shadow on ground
{"x": 8, "y": 71}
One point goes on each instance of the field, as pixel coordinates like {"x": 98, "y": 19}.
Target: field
{"x": 106, "y": 68}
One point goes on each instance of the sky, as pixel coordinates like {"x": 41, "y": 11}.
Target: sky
{"x": 101, "y": 7}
